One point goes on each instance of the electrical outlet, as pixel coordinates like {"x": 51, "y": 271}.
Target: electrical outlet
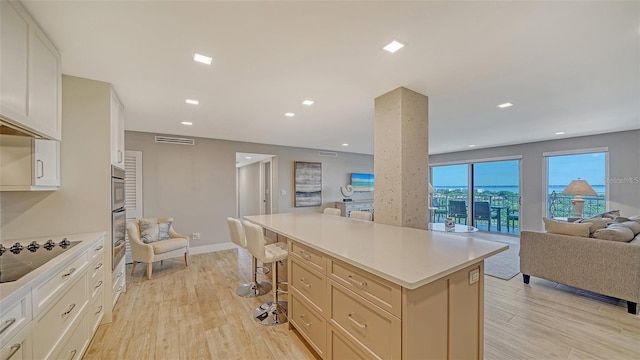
{"x": 474, "y": 276}
{"x": 195, "y": 236}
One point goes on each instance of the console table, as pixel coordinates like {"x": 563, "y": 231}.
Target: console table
{"x": 346, "y": 207}
{"x": 367, "y": 290}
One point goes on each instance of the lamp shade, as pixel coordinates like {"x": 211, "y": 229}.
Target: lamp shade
{"x": 579, "y": 187}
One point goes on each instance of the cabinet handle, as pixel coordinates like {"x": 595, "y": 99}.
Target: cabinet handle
{"x": 119, "y": 156}
{"x": 14, "y": 350}
{"x": 362, "y": 326}
{"x": 69, "y": 273}
{"x": 98, "y": 267}
{"x": 304, "y": 322}
{"x": 99, "y": 310}
{"x": 7, "y": 324}
{"x": 99, "y": 284}
{"x": 304, "y": 255}
{"x": 40, "y": 169}
{"x": 359, "y": 284}
{"x": 71, "y": 307}
{"x": 304, "y": 283}
{"x": 99, "y": 248}
{"x": 119, "y": 274}
{"x": 73, "y": 354}
{"x": 120, "y": 288}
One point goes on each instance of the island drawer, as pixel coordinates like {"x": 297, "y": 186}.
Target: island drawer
{"x": 14, "y": 318}
{"x": 45, "y": 293}
{"x": 377, "y": 330}
{"x": 95, "y": 312}
{"x": 97, "y": 250}
{"x": 309, "y": 323}
{"x": 54, "y": 325}
{"x": 379, "y": 291}
{"x": 312, "y": 258}
{"x": 308, "y": 283}
{"x": 77, "y": 341}
{"x": 338, "y": 347}
{"x": 96, "y": 284}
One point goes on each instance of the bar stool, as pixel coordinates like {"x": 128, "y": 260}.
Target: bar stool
{"x": 274, "y": 312}
{"x": 253, "y": 288}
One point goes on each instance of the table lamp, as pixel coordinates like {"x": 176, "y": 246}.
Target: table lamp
{"x": 578, "y": 188}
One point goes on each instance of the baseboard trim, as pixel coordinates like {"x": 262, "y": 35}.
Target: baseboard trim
{"x": 211, "y": 248}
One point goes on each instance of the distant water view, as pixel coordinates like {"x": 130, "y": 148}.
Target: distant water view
{"x": 600, "y": 189}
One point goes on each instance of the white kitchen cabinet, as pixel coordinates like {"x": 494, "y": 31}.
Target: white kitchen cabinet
{"x": 29, "y": 164}
{"x": 117, "y": 131}
{"x": 19, "y": 347}
{"x": 31, "y": 83}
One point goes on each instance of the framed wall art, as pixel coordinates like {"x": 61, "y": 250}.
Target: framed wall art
{"x": 308, "y": 183}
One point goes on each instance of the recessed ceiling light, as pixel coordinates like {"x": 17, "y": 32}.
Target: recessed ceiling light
{"x": 560, "y": 133}
{"x": 202, "y": 59}
{"x": 192, "y": 102}
{"x": 472, "y": 145}
{"x": 505, "y": 105}
{"x": 308, "y": 102}
{"x": 248, "y": 157}
{"x": 345, "y": 144}
{"x": 186, "y": 123}
{"x": 289, "y": 114}
{"x": 394, "y": 46}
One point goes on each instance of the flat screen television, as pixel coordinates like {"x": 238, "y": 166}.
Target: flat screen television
{"x": 362, "y": 182}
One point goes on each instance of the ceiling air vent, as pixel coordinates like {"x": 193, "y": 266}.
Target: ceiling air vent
{"x": 174, "y": 140}
{"x": 327, "y": 153}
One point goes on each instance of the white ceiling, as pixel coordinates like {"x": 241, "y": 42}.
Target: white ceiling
{"x": 244, "y": 159}
{"x": 567, "y": 66}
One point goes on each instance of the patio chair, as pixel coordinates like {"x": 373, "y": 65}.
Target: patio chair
{"x": 458, "y": 210}
{"x": 437, "y": 210}
{"x": 482, "y": 212}
{"x": 512, "y": 217}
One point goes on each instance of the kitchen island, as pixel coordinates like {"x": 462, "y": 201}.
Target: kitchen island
{"x": 359, "y": 289}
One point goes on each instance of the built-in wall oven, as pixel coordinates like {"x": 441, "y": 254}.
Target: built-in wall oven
{"x": 118, "y": 216}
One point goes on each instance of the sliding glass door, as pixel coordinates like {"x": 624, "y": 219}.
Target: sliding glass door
{"x": 495, "y": 185}
{"x": 450, "y": 197}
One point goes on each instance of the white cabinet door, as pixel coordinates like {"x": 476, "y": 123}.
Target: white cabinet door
{"x": 19, "y": 347}
{"x": 14, "y": 32}
{"x": 47, "y": 163}
{"x": 44, "y": 85}
{"x": 117, "y": 132}
{"x": 31, "y": 82}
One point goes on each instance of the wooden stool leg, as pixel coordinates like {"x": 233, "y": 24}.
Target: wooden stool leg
{"x": 133, "y": 267}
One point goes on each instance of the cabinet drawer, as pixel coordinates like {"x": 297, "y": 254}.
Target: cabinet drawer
{"x": 96, "y": 311}
{"x": 377, "y": 330}
{"x": 338, "y": 347}
{"x": 19, "y": 347}
{"x": 308, "y": 283}
{"x": 76, "y": 343}
{"x": 97, "y": 250}
{"x": 55, "y": 323}
{"x": 117, "y": 274}
{"x": 379, "y": 291}
{"x": 96, "y": 284}
{"x": 311, "y": 325}
{"x": 14, "y": 318}
{"x": 47, "y": 292}
{"x": 312, "y": 258}
{"x": 118, "y": 288}
{"x": 96, "y": 270}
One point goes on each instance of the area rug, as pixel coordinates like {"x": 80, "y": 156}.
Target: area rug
{"x": 504, "y": 265}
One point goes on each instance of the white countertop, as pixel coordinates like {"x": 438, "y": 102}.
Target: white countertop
{"x": 405, "y": 256}
{"x": 11, "y": 291}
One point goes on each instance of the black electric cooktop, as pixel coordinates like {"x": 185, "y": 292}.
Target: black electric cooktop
{"x": 18, "y": 260}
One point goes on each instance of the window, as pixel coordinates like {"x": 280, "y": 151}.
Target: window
{"x": 562, "y": 168}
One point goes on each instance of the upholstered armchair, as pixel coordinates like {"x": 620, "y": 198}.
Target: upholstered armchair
{"x": 151, "y": 243}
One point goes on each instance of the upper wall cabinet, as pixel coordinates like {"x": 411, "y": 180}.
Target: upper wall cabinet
{"x": 117, "y": 131}
{"x": 28, "y": 164}
{"x": 30, "y": 86}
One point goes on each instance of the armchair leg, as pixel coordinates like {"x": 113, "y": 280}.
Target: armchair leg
{"x": 186, "y": 259}
{"x": 133, "y": 267}
{"x": 149, "y": 270}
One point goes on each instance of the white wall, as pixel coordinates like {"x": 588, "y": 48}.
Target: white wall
{"x": 624, "y": 162}
{"x": 196, "y": 185}
{"x": 249, "y": 189}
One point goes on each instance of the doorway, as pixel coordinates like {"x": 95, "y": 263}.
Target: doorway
{"x": 254, "y": 183}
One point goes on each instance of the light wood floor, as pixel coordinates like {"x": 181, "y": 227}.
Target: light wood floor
{"x": 193, "y": 313}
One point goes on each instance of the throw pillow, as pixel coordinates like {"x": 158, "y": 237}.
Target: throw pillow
{"x": 596, "y": 224}
{"x": 148, "y": 231}
{"x": 614, "y": 232}
{"x": 563, "y": 228}
{"x": 163, "y": 230}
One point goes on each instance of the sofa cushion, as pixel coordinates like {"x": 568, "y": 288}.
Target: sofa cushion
{"x": 564, "y": 228}
{"x": 164, "y": 246}
{"x": 615, "y": 232}
{"x": 596, "y": 224}
{"x": 152, "y": 231}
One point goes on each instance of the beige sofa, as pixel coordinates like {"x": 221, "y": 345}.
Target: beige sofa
{"x": 607, "y": 267}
